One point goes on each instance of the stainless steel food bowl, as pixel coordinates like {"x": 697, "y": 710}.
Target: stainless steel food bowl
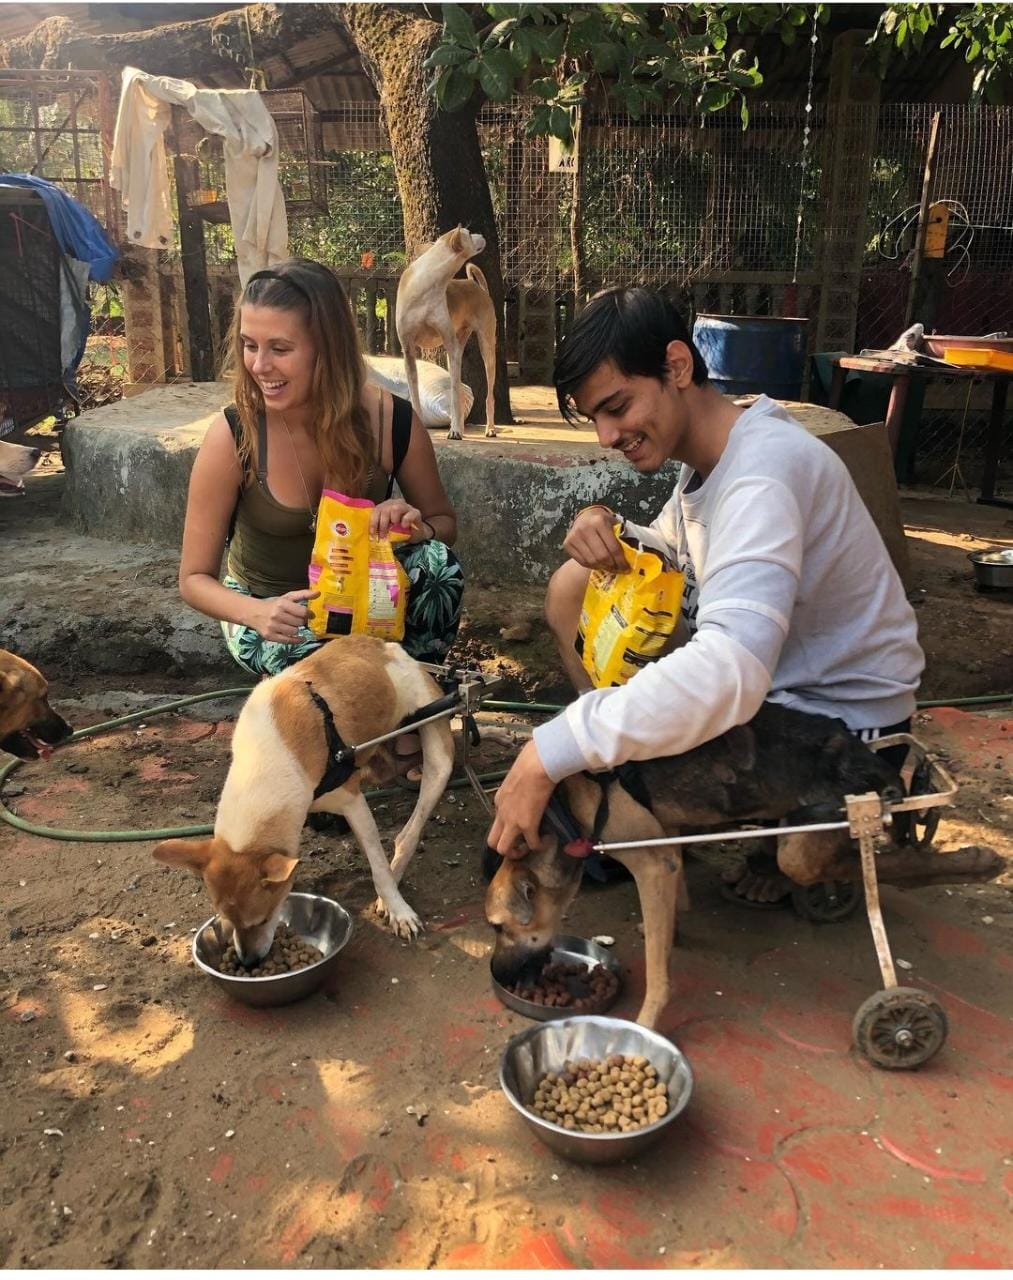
{"x": 993, "y": 569}
{"x": 566, "y": 951}
{"x": 319, "y": 920}
{"x": 537, "y": 1050}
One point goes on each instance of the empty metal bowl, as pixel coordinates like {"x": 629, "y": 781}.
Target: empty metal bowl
{"x": 537, "y": 1050}
{"x": 566, "y": 951}
{"x": 319, "y": 920}
{"x": 993, "y": 569}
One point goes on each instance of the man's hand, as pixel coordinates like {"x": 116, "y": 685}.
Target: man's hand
{"x": 520, "y": 803}
{"x": 592, "y": 542}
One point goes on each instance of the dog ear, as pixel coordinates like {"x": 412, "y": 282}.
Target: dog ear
{"x": 277, "y": 868}
{"x": 518, "y": 903}
{"x": 12, "y": 687}
{"x": 456, "y": 240}
{"x": 837, "y": 744}
{"x": 187, "y": 855}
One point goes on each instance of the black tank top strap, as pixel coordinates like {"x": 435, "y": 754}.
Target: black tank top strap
{"x": 232, "y": 418}
{"x": 400, "y": 437}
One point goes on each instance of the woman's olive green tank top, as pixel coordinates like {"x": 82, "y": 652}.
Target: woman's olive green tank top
{"x": 270, "y": 544}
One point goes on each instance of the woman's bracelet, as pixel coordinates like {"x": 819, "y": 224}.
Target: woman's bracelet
{"x": 432, "y": 530}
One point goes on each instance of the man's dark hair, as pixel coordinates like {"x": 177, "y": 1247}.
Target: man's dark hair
{"x": 631, "y": 327}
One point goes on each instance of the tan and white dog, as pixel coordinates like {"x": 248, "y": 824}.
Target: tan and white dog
{"x": 16, "y": 460}
{"x": 434, "y": 310}
{"x": 281, "y": 754}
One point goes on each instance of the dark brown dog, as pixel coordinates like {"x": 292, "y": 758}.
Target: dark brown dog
{"x": 783, "y": 764}
{"x": 29, "y": 727}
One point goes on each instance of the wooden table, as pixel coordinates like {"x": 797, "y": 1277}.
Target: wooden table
{"x": 902, "y": 374}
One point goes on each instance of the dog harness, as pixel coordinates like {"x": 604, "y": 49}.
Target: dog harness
{"x": 340, "y": 757}
{"x": 575, "y": 844}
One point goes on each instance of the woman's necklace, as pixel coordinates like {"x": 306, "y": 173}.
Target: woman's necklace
{"x": 305, "y": 488}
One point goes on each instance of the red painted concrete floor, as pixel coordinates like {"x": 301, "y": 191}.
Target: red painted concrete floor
{"x": 196, "y": 1132}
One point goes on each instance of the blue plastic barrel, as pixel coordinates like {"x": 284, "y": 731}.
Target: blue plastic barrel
{"x": 753, "y": 353}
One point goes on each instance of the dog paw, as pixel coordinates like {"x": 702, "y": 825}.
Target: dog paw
{"x": 454, "y": 435}
{"x": 403, "y": 922}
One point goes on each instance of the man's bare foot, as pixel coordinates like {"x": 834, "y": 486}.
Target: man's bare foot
{"x": 408, "y": 757}
{"x": 758, "y": 884}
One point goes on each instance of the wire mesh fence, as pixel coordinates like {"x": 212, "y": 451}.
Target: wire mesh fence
{"x": 969, "y": 174}
{"x": 767, "y": 221}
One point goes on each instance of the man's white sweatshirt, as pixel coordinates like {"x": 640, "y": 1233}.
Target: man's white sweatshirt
{"x": 798, "y": 602}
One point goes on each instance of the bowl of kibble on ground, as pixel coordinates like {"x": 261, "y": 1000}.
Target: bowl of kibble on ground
{"x": 595, "y": 1089}
{"x": 578, "y": 976}
{"x": 311, "y": 933}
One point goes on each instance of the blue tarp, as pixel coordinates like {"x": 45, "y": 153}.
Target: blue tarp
{"x": 78, "y": 232}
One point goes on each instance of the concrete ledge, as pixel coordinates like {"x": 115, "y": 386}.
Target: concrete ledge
{"x": 128, "y": 465}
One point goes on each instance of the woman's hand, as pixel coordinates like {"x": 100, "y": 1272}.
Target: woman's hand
{"x": 280, "y": 617}
{"x": 592, "y": 542}
{"x": 395, "y": 511}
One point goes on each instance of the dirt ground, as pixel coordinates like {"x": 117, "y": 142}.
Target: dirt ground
{"x": 152, "y": 1122}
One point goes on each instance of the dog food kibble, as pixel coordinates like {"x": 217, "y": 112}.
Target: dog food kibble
{"x": 288, "y": 953}
{"x": 570, "y": 986}
{"x": 602, "y": 1095}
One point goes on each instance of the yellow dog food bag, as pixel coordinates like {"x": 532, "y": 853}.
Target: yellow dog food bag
{"x": 363, "y": 589}
{"x": 627, "y": 618}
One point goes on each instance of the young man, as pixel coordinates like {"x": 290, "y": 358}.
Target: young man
{"x": 790, "y": 593}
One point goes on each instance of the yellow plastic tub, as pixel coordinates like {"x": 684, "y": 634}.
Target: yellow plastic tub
{"x": 980, "y": 358}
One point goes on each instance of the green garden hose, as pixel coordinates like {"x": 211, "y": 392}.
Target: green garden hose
{"x": 164, "y": 833}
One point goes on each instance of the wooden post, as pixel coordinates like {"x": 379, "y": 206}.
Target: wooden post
{"x": 194, "y": 260}
{"x": 849, "y": 141}
{"x": 926, "y": 274}
{"x": 371, "y": 318}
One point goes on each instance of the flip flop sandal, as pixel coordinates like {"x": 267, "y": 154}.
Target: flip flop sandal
{"x": 757, "y": 864}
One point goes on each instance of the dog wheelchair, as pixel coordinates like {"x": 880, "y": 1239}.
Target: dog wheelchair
{"x": 897, "y": 1027}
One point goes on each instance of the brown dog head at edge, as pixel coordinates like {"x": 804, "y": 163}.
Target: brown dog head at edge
{"x": 29, "y": 727}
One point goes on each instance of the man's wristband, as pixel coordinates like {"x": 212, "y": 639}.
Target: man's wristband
{"x": 600, "y": 506}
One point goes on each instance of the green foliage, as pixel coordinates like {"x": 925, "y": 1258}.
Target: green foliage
{"x": 648, "y": 55}
{"x": 983, "y": 31}
{"x": 645, "y": 56}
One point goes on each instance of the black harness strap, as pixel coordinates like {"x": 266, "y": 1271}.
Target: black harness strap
{"x": 575, "y": 844}
{"x": 340, "y": 757}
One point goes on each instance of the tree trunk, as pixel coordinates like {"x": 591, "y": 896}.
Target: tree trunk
{"x": 440, "y": 171}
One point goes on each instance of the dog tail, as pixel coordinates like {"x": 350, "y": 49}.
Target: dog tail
{"x": 474, "y": 273}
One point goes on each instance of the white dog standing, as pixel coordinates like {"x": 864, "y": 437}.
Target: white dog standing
{"x": 16, "y": 460}
{"x": 434, "y": 309}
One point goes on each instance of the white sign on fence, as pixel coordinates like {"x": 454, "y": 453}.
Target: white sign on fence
{"x": 562, "y": 158}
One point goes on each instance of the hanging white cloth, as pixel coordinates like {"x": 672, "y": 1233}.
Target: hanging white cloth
{"x": 138, "y": 167}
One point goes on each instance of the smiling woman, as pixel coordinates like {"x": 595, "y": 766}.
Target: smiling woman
{"x": 305, "y": 419}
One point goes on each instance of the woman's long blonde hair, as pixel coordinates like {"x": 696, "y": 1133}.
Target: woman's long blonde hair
{"x": 340, "y": 425}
